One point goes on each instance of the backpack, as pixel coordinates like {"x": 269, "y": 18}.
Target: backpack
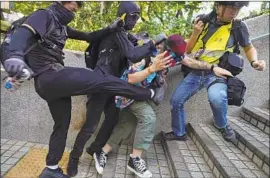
{"x": 236, "y": 90}
{"x": 4, "y": 48}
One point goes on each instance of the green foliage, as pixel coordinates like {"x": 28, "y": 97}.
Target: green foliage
{"x": 156, "y": 17}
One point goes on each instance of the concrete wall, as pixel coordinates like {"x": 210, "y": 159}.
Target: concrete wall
{"x": 25, "y": 116}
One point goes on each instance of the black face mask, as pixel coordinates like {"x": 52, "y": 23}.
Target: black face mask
{"x": 131, "y": 20}
{"x": 64, "y": 15}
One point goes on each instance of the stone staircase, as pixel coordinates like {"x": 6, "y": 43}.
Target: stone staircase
{"x": 207, "y": 154}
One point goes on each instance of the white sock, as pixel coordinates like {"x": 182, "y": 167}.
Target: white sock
{"x": 52, "y": 167}
{"x": 152, "y": 93}
{"x": 132, "y": 156}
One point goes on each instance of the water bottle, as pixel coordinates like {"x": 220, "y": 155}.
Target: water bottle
{"x": 12, "y": 83}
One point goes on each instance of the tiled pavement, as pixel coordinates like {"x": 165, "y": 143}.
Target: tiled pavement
{"x": 12, "y": 151}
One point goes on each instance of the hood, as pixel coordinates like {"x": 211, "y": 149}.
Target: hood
{"x": 127, "y": 7}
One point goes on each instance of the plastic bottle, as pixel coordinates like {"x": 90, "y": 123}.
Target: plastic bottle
{"x": 12, "y": 82}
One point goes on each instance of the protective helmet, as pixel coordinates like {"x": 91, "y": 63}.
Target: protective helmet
{"x": 236, "y": 4}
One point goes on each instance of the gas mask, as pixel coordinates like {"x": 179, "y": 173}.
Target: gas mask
{"x": 131, "y": 20}
{"x": 63, "y": 15}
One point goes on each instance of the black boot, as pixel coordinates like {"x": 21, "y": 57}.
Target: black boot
{"x": 53, "y": 173}
{"x": 72, "y": 168}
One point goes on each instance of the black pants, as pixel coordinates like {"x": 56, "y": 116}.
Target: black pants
{"x": 57, "y": 87}
{"x": 95, "y": 106}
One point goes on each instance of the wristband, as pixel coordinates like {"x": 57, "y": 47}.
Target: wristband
{"x": 251, "y": 63}
{"x": 212, "y": 67}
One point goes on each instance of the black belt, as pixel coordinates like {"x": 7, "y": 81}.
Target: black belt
{"x": 201, "y": 72}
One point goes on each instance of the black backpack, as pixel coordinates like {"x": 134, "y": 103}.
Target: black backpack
{"x": 236, "y": 91}
{"x": 4, "y": 48}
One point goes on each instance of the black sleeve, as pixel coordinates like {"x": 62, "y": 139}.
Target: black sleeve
{"x": 132, "y": 53}
{"x": 19, "y": 42}
{"x": 243, "y": 35}
{"x": 89, "y": 37}
{"x": 39, "y": 21}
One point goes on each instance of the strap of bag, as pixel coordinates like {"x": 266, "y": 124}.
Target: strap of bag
{"x": 235, "y": 26}
{"x": 50, "y": 30}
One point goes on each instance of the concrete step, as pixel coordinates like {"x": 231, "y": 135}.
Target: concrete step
{"x": 252, "y": 141}
{"x": 259, "y": 117}
{"x": 186, "y": 160}
{"x": 224, "y": 158}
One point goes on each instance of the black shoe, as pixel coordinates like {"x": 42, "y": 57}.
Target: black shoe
{"x": 172, "y": 136}
{"x": 100, "y": 161}
{"x": 53, "y": 173}
{"x": 138, "y": 166}
{"x": 72, "y": 168}
{"x": 89, "y": 151}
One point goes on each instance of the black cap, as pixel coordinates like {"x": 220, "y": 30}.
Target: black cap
{"x": 236, "y": 4}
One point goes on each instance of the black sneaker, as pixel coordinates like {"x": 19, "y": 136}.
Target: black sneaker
{"x": 227, "y": 133}
{"x": 53, "y": 173}
{"x": 172, "y": 136}
{"x": 100, "y": 161}
{"x": 72, "y": 168}
{"x": 138, "y": 166}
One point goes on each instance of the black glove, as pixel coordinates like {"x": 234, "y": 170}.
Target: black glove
{"x": 118, "y": 23}
{"x": 14, "y": 67}
{"x": 160, "y": 38}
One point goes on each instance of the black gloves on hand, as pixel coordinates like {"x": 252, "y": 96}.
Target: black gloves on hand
{"x": 118, "y": 23}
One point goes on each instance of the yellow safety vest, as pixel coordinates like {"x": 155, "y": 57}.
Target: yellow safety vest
{"x": 215, "y": 46}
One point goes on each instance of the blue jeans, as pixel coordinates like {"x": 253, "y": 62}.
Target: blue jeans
{"x": 217, "y": 96}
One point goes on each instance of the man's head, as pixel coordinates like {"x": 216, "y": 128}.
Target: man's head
{"x": 228, "y": 10}
{"x": 65, "y": 10}
{"x": 72, "y": 5}
{"x": 132, "y": 11}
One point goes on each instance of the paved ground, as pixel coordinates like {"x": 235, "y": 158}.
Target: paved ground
{"x": 12, "y": 151}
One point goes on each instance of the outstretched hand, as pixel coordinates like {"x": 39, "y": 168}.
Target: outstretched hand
{"x": 223, "y": 73}
{"x": 161, "y": 62}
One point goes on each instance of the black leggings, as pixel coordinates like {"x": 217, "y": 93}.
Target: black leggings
{"x": 57, "y": 87}
{"x": 95, "y": 106}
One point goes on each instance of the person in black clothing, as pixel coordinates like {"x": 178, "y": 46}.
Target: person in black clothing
{"x": 115, "y": 51}
{"x": 54, "y": 82}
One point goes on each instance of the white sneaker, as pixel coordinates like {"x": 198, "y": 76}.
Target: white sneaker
{"x": 100, "y": 161}
{"x": 138, "y": 166}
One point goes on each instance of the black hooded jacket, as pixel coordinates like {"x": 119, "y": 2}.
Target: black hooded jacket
{"x": 118, "y": 47}
{"x": 42, "y": 57}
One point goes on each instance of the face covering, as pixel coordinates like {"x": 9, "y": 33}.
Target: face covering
{"x": 131, "y": 20}
{"x": 63, "y": 15}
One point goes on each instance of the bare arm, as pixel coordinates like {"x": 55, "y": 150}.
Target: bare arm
{"x": 195, "y": 64}
{"x": 251, "y": 53}
{"x": 197, "y": 29}
{"x": 159, "y": 63}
